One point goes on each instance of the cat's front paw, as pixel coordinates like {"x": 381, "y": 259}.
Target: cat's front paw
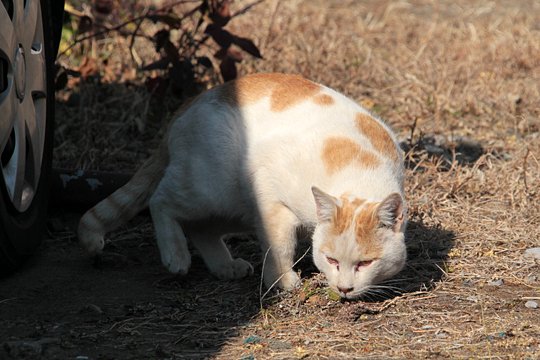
{"x": 287, "y": 281}
{"x": 235, "y": 269}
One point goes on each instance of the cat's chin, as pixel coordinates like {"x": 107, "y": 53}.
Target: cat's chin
{"x": 351, "y": 297}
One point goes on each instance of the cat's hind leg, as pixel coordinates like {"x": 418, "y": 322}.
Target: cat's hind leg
{"x": 170, "y": 236}
{"x": 207, "y": 238}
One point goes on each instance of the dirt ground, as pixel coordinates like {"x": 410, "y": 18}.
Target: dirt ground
{"x": 459, "y": 82}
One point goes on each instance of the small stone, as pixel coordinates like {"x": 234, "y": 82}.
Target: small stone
{"x": 279, "y": 345}
{"x": 427, "y": 327}
{"x": 498, "y": 282}
{"x": 252, "y": 339}
{"x": 532, "y": 253}
{"x": 472, "y": 298}
{"x": 441, "y": 335}
{"x": 531, "y": 304}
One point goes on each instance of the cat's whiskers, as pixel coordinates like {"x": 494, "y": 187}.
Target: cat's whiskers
{"x": 387, "y": 287}
{"x": 376, "y": 292}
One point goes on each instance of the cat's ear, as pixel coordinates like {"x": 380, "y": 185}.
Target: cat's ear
{"x": 326, "y": 204}
{"x": 391, "y": 212}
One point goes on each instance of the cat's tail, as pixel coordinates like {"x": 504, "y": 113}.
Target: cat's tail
{"x": 124, "y": 203}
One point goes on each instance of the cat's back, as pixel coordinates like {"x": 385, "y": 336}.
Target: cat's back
{"x": 277, "y": 106}
{"x": 293, "y": 112}
{"x": 308, "y": 133}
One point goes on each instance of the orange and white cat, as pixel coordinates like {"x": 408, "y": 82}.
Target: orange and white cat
{"x": 276, "y": 152}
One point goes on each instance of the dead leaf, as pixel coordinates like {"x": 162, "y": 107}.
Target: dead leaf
{"x": 247, "y": 45}
{"x": 222, "y": 37}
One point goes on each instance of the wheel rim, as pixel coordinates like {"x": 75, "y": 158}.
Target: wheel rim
{"x": 23, "y": 92}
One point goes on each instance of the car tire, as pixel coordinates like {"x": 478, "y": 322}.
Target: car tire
{"x": 26, "y": 104}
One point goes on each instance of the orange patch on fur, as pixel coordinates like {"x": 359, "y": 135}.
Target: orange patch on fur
{"x": 284, "y": 90}
{"x": 339, "y": 152}
{"x": 323, "y": 100}
{"x": 291, "y": 90}
{"x": 366, "y": 224}
{"x": 344, "y": 214}
{"x": 377, "y": 135}
{"x": 343, "y": 217}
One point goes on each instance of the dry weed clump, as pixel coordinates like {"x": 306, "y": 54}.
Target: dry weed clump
{"x": 443, "y": 74}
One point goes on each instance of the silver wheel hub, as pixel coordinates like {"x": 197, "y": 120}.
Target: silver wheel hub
{"x": 23, "y": 100}
{"x": 20, "y": 72}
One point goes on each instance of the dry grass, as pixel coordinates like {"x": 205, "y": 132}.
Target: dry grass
{"x": 452, "y": 70}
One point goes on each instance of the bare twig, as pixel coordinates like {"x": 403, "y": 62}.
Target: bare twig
{"x": 525, "y": 170}
{"x": 136, "y": 19}
{"x": 132, "y": 42}
{"x": 247, "y": 8}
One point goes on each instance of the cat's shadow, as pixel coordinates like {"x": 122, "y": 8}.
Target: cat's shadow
{"x": 427, "y": 252}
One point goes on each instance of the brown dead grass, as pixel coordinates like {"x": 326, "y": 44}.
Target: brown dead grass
{"x": 453, "y": 69}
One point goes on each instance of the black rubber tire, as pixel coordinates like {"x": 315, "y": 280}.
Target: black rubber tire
{"x": 21, "y": 233}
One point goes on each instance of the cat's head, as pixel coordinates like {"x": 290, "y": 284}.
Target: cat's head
{"x": 358, "y": 243}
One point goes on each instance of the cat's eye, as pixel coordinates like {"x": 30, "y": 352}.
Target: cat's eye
{"x": 362, "y": 264}
{"x": 332, "y": 261}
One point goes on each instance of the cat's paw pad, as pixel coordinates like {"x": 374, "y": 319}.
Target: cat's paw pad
{"x": 176, "y": 262}
{"x": 236, "y": 269}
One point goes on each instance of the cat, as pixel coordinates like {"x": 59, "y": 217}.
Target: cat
{"x": 277, "y": 152}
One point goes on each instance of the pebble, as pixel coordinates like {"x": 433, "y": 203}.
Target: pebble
{"x": 532, "y": 253}
{"x": 441, "y": 335}
{"x": 281, "y": 345}
{"x": 497, "y": 282}
{"x": 531, "y": 304}
{"x": 252, "y": 339}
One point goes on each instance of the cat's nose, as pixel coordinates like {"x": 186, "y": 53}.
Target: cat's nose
{"x": 345, "y": 290}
